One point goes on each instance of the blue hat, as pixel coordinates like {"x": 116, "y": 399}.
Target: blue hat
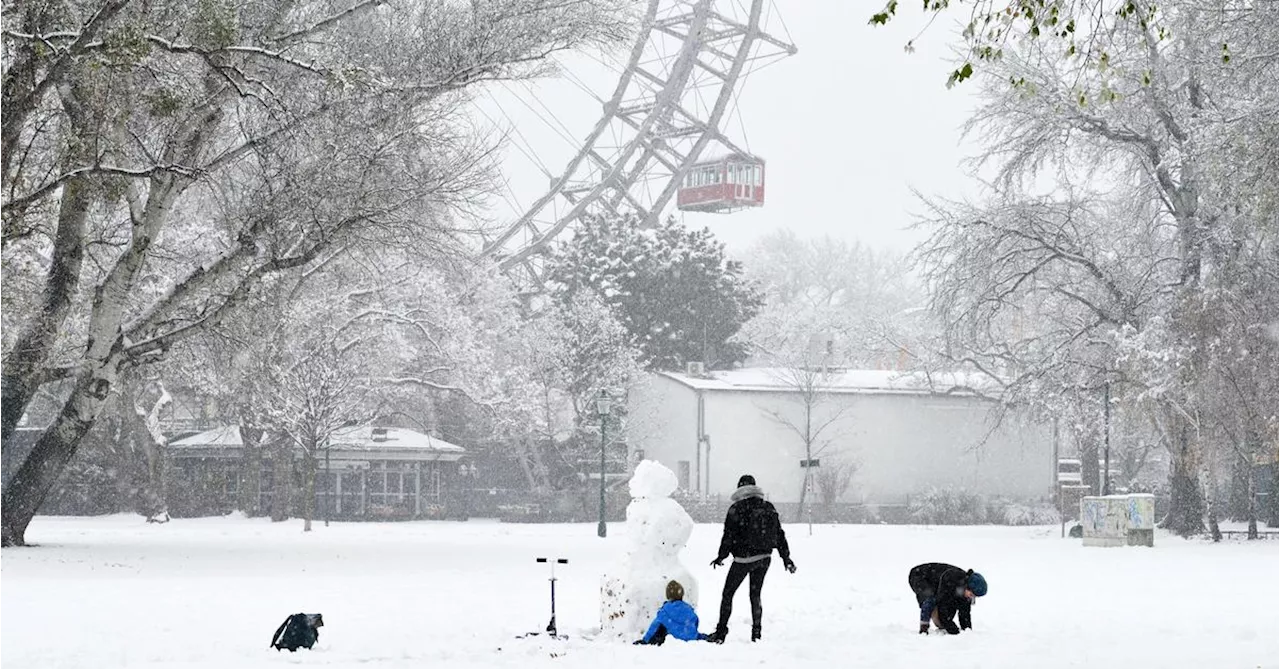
{"x": 977, "y": 584}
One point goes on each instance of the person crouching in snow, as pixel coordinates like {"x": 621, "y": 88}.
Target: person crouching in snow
{"x": 942, "y": 591}
{"x": 676, "y": 618}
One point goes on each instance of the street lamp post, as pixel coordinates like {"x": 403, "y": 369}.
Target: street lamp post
{"x": 602, "y": 409}
{"x": 1106, "y": 437}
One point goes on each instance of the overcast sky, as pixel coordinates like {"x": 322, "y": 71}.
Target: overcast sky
{"x": 847, "y": 126}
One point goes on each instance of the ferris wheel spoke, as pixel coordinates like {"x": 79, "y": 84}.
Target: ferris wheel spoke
{"x": 550, "y": 120}
{"x": 675, "y": 93}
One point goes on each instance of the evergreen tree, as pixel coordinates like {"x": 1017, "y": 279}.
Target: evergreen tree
{"x": 674, "y": 290}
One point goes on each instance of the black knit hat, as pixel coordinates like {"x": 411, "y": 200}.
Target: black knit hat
{"x": 675, "y": 591}
{"x": 746, "y": 479}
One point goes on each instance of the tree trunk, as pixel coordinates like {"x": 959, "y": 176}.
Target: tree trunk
{"x": 282, "y": 480}
{"x": 30, "y": 351}
{"x": 101, "y": 360}
{"x": 250, "y": 489}
{"x": 1238, "y": 506}
{"x": 140, "y": 467}
{"x": 1089, "y": 474}
{"x": 1273, "y": 509}
{"x": 1186, "y": 504}
{"x": 525, "y": 458}
{"x": 308, "y": 487}
{"x": 1253, "y": 504}
{"x": 540, "y": 471}
{"x": 804, "y": 490}
{"x": 155, "y": 457}
{"x": 431, "y": 414}
{"x": 1211, "y": 498}
{"x": 39, "y": 472}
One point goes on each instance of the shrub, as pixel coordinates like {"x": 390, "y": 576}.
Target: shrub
{"x": 948, "y": 506}
{"x": 1005, "y": 512}
{"x": 431, "y": 511}
{"x": 951, "y": 506}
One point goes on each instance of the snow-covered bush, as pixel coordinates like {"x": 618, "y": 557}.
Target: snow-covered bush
{"x": 1005, "y": 512}
{"x": 952, "y": 506}
{"x": 948, "y": 506}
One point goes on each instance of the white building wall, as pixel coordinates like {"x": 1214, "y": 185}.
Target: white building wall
{"x": 903, "y": 443}
{"x": 662, "y": 422}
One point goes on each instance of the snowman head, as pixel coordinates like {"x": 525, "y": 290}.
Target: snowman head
{"x": 652, "y": 481}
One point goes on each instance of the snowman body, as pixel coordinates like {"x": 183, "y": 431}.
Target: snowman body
{"x": 657, "y": 529}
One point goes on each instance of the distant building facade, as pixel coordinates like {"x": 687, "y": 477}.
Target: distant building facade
{"x": 366, "y": 473}
{"x": 903, "y": 435}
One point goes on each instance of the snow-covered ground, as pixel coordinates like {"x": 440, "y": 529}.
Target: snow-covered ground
{"x": 204, "y": 594}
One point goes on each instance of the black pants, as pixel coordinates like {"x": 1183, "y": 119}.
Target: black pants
{"x": 925, "y": 592}
{"x": 920, "y": 586}
{"x": 922, "y": 590}
{"x": 737, "y": 572}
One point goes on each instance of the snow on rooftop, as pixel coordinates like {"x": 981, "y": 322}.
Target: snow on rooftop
{"x": 350, "y": 439}
{"x": 228, "y": 435}
{"x": 847, "y": 380}
{"x": 362, "y": 437}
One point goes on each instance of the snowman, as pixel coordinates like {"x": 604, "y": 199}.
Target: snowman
{"x": 657, "y": 530}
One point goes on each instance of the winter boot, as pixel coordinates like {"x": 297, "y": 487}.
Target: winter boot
{"x": 718, "y": 635}
{"x": 755, "y": 633}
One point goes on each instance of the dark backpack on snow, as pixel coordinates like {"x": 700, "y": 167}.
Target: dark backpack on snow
{"x": 300, "y": 630}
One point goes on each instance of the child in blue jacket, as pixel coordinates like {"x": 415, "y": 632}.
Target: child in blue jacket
{"x": 676, "y": 618}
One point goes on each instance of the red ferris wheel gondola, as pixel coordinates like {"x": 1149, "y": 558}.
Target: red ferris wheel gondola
{"x": 723, "y": 185}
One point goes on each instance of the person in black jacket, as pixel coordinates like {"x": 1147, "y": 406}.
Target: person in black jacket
{"x": 942, "y": 591}
{"x": 751, "y": 532}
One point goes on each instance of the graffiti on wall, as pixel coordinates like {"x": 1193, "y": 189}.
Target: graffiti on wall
{"x": 1142, "y": 512}
{"x": 1111, "y": 521}
{"x": 1104, "y": 518}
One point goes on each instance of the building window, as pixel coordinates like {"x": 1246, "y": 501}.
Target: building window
{"x": 431, "y": 481}
{"x": 391, "y": 487}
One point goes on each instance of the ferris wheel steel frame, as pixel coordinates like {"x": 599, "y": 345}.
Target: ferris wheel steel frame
{"x": 666, "y": 136}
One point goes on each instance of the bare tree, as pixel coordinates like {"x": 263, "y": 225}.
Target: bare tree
{"x": 808, "y": 384}
{"x": 304, "y": 127}
{"x": 834, "y": 477}
{"x": 827, "y": 285}
{"x": 315, "y": 397}
{"x": 1125, "y": 277}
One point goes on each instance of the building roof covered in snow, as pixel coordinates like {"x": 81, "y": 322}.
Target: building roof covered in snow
{"x": 352, "y": 443}
{"x": 785, "y": 379}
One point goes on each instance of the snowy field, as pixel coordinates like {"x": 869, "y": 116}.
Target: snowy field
{"x": 205, "y": 594}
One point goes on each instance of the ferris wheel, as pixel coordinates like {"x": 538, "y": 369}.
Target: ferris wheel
{"x": 662, "y": 134}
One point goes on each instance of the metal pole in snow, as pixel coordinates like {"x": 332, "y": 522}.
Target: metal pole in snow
{"x": 808, "y": 484}
{"x": 1106, "y": 438}
{"x": 1057, "y": 485}
{"x": 328, "y": 481}
{"x": 552, "y": 626}
{"x": 602, "y": 530}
